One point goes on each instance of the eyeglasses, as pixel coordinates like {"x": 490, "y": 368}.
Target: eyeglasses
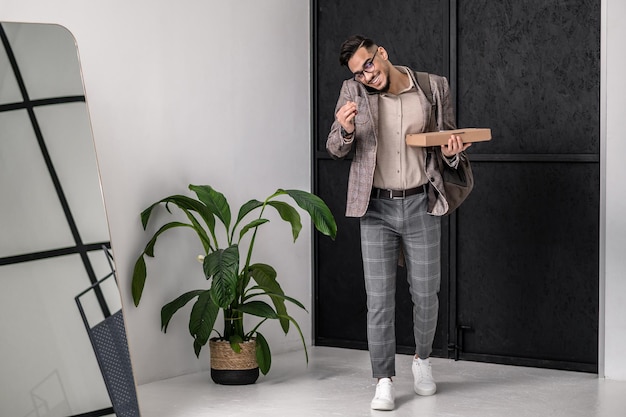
{"x": 368, "y": 66}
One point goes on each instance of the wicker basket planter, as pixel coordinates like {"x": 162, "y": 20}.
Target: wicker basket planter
{"x": 231, "y": 368}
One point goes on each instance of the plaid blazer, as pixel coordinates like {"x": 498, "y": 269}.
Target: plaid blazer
{"x": 365, "y": 142}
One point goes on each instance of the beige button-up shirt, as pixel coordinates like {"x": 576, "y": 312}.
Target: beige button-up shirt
{"x": 399, "y": 166}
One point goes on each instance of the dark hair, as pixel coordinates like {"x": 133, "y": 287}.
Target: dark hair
{"x": 351, "y": 45}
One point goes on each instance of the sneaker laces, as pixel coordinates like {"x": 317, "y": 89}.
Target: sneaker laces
{"x": 425, "y": 369}
{"x": 383, "y": 389}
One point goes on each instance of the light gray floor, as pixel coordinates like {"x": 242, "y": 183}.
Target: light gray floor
{"x": 337, "y": 382}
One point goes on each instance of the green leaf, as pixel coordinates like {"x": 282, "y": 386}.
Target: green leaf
{"x": 139, "y": 279}
{"x": 243, "y": 211}
{"x": 168, "y": 310}
{"x": 149, "y": 250}
{"x": 202, "y": 234}
{"x": 215, "y": 201}
{"x": 145, "y": 215}
{"x": 265, "y": 276}
{"x": 235, "y": 343}
{"x": 247, "y": 208}
{"x": 295, "y": 323}
{"x": 197, "y": 347}
{"x": 223, "y": 265}
{"x": 258, "y": 308}
{"x": 139, "y": 272}
{"x": 251, "y": 225}
{"x": 263, "y": 354}
{"x": 271, "y": 294}
{"x": 289, "y": 214}
{"x": 320, "y": 214}
{"x": 202, "y": 320}
{"x": 184, "y": 203}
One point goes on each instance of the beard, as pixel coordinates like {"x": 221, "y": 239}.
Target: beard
{"x": 385, "y": 72}
{"x": 383, "y": 89}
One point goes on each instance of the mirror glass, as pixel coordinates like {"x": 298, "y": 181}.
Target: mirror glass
{"x": 55, "y": 244}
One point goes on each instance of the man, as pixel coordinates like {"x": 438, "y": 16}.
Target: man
{"x": 397, "y": 192}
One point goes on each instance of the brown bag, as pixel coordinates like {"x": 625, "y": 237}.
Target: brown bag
{"x": 459, "y": 182}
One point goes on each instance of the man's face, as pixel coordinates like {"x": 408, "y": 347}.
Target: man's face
{"x": 369, "y": 69}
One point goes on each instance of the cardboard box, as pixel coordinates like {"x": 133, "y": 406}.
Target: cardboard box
{"x": 470, "y": 134}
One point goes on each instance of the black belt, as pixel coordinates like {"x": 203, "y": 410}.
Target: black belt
{"x": 393, "y": 194}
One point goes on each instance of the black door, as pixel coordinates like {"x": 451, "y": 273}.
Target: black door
{"x": 520, "y": 276}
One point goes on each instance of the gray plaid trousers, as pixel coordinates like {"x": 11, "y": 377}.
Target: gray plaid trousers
{"x": 387, "y": 226}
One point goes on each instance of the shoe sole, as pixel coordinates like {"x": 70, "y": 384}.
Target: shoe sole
{"x": 382, "y": 406}
{"x": 425, "y": 393}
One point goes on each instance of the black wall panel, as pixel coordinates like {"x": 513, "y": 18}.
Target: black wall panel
{"x": 340, "y": 292}
{"x": 520, "y": 257}
{"x": 527, "y": 260}
{"x": 530, "y": 70}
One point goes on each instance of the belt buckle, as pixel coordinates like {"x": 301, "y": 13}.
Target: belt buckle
{"x": 398, "y": 197}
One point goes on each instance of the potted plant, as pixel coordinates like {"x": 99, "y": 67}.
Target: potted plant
{"x": 236, "y": 286}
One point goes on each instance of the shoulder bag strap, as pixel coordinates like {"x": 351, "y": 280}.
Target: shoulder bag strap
{"x": 423, "y": 80}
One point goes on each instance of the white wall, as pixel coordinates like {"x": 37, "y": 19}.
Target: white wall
{"x": 210, "y": 85}
{"x": 614, "y": 99}
{"x": 183, "y": 92}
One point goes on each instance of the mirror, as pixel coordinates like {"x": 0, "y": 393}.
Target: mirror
{"x": 54, "y": 252}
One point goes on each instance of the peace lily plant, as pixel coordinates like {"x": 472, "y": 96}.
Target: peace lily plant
{"x": 236, "y": 286}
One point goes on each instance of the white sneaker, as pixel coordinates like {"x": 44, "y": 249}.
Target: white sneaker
{"x": 385, "y": 396}
{"x": 423, "y": 381}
